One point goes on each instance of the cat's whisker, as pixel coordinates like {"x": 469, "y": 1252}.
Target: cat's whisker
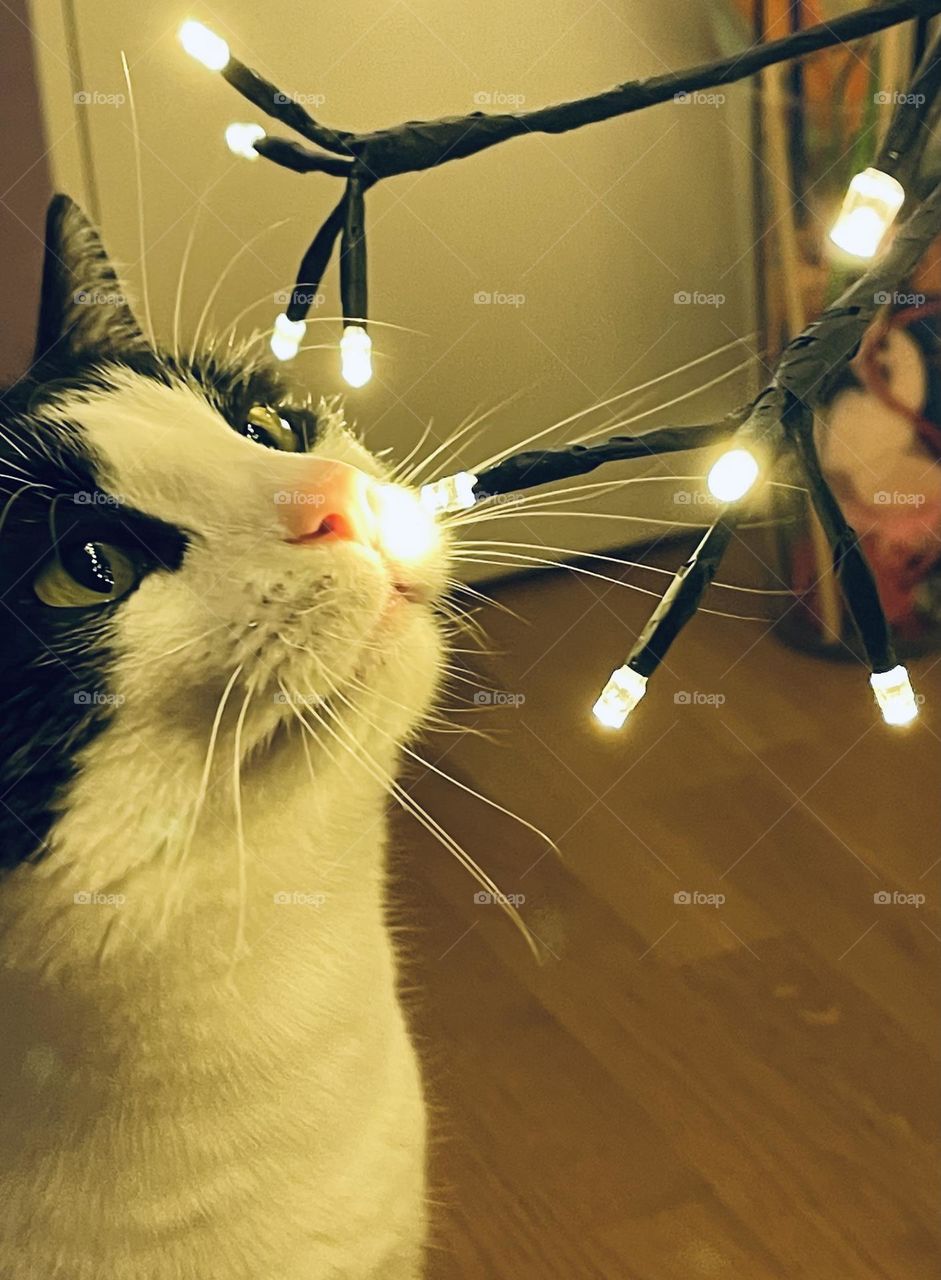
{"x": 458, "y": 434}
{"x": 241, "y": 854}
{"x": 247, "y": 247}
{"x": 139, "y": 176}
{"x": 621, "y": 395}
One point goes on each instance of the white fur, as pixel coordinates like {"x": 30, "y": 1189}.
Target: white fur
{"x": 205, "y": 1070}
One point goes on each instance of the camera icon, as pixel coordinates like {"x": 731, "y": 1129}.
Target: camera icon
{"x": 682, "y": 897}
{"x": 682, "y": 698}
{"x": 82, "y": 98}
{"x": 481, "y": 898}
{"x": 82, "y": 698}
{"x": 882, "y": 98}
{"x": 482, "y": 98}
{"x": 282, "y": 498}
{"x": 682, "y": 298}
{"x": 82, "y": 898}
{"x": 882, "y": 298}
{"x": 882, "y": 898}
{"x": 281, "y": 99}
{"x": 882, "y": 498}
{"x": 482, "y": 298}
{"x": 282, "y": 298}
{"x": 682, "y": 96}
{"x": 483, "y": 697}
{"x": 281, "y": 899}
{"x": 683, "y": 496}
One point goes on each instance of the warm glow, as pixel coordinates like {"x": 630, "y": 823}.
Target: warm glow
{"x": 869, "y": 208}
{"x": 895, "y": 695}
{"x": 204, "y": 45}
{"x": 732, "y": 475}
{"x": 241, "y": 139}
{"x": 287, "y": 337}
{"x": 356, "y": 355}
{"x": 619, "y": 697}
{"x": 407, "y": 529}
{"x": 453, "y": 493}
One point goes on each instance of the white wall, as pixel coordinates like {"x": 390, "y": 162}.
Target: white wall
{"x": 598, "y": 230}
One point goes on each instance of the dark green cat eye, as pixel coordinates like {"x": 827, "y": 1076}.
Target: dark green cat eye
{"x": 266, "y": 427}
{"x": 85, "y": 574}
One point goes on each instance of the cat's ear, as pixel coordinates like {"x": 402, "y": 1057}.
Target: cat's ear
{"x": 83, "y": 309}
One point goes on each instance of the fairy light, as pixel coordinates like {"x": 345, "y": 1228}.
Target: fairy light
{"x": 204, "y": 45}
{"x": 895, "y": 695}
{"x": 356, "y": 355}
{"x": 287, "y": 337}
{"x": 619, "y": 697}
{"x": 871, "y": 202}
{"x": 406, "y": 527}
{"x": 453, "y": 493}
{"x": 241, "y": 139}
{"x": 732, "y": 475}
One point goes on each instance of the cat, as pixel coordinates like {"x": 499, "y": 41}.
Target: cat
{"x": 212, "y": 653}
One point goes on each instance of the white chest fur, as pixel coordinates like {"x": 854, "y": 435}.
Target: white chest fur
{"x": 177, "y": 1106}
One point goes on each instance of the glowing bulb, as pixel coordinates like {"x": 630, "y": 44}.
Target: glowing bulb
{"x": 241, "y": 139}
{"x": 732, "y": 475}
{"x": 356, "y": 355}
{"x": 204, "y": 45}
{"x": 871, "y": 202}
{"x": 619, "y": 697}
{"x": 895, "y": 695}
{"x": 453, "y": 493}
{"x": 407, "y": 529}
{"x": 287, "y": 337}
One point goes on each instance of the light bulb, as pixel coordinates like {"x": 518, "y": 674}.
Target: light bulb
{"x": 240, "y": 139}
{"x": 619, "y": 697}
{"x": 287, "y": 336}
{"x": 895, "y": 695}
{"x": 407, "y": 528}
{"x": 356, "y": 355}
{"x": 453, "y": 493}
{"x": 732, "y": 475}
{"x": 204, "y": 45}
{"x": 871, "y": 202}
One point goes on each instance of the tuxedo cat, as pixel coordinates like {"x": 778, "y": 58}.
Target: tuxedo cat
{"x": 212, "y": 650}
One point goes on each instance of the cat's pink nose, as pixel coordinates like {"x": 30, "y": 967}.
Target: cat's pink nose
{"x": 333, "y": 502}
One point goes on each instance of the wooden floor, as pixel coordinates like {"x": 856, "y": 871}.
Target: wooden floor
{"x": 746, "y": 1089}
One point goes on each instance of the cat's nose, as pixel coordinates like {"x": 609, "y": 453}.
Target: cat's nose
{"x": 335, "y": 501}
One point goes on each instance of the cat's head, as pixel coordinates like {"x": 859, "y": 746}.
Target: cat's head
{"x": 178, "y": 531}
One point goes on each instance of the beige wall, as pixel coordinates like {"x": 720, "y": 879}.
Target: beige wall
{"x": 597, "y": 230}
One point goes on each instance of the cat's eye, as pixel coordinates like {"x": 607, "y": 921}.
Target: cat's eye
{"x": 265, "y": 426}
{"x": 85, "y": 574}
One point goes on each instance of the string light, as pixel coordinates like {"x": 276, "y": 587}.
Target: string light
{"x": 453, "y": 493}
{"x": 241, "y": 139}
{"x": 356, "y": 355}
{"x": 895, "y": 695}
{"x": 619, "y": 697}
{"x": 869, "y": 208}
{"x": 406, "y": 526}
{"x": 204, "y": 45}
{"x": 732, "y": 475}
{"x": 287, "y": 337}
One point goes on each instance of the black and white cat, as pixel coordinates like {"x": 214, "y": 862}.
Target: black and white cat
{"x": 211, "y": 655}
